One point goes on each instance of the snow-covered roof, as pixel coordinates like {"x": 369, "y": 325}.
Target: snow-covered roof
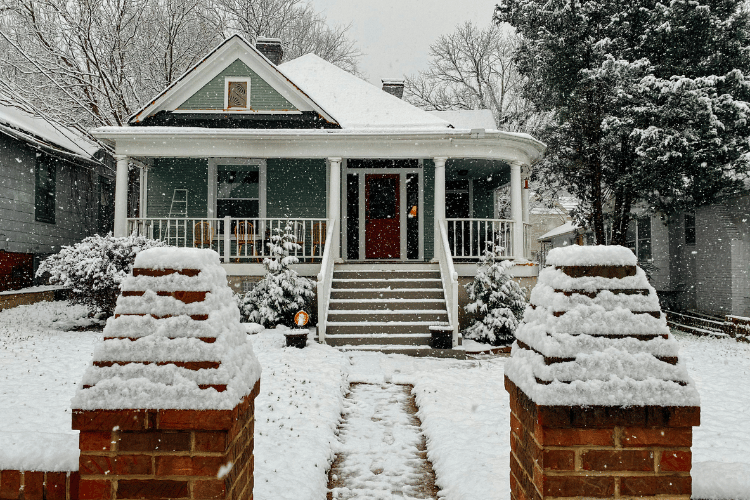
{"x": 566, "y": 228}
{"x": 44, "y": 131}
{"x": 353, "y": 102}
{"x": 468, "y": 118}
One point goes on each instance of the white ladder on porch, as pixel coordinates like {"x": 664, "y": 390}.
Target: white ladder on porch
{"x": 178, "y": 210}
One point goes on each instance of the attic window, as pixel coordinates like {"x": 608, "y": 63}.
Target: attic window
{"x": 237, "y": 93}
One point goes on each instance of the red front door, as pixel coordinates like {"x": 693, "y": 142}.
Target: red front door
{"x": 382, "y": 216}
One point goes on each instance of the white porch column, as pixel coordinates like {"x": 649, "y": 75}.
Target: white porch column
{"x": 121, "y": 196}
{"x": 334, "y": 203}
{"x": 439, "y": 212}
{"x": 526, "y": 194}
{"x": 516, "y": 208}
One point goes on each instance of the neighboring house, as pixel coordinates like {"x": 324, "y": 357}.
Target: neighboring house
{"x": 238, "y": 146}
{"x": 697, "y": 262}
{"x": 55, "y": 189}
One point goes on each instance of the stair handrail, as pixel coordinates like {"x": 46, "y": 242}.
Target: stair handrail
{"x": 449, "y": 276}
{"x": 325, "y": 278}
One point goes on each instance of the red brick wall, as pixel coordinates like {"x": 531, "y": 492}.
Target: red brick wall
{"x": 38, "y": 485}
{"x": 599, "y": 452}
{"x": 136, "y": 454}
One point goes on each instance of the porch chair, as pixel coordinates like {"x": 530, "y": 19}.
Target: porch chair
{"x": 203, "y": 235}
{"x": 244, "y": 233}
{"x": 318, "y": 237}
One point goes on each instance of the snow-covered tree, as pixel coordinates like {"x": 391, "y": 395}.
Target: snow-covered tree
{"x": 89, "y": 63}
{"x": 295, "y": 22}
{"x": 649, "y": 101}
{"x": 497, "y": 302}
{"x": 278, "y": 296}
{"x": 94, "y": 268}
{"x": 473, "y": 68}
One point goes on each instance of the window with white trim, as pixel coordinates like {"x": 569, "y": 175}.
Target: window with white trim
{"x": 238, "y": 191}
{"x": 638, "y": 238}
{"x": 236, "y": 93}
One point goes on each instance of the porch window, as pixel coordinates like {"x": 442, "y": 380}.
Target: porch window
{"x": 238, "y": 191}
{"x": 457, "y": 199}
{"x": 44, "y": 198}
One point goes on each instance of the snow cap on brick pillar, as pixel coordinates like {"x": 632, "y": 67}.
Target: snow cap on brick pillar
{"x": 271, "y": 48}
{"x": 166, "y": 409}
{"x": 394, "y": 86}
{"x": 601, "y": 404}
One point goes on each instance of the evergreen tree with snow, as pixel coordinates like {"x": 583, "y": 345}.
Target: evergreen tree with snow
{"x": 281, "y": 292}
{"x": 497, "y": 301}
{"x": 649, "y": 101}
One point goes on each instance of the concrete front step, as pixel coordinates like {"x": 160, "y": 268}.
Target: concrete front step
{"x": 417, "y": 351}
{"x": 386, "y": 275}
{"x": 414, "y": 339}
{"x": 367, "y": 328}
{"x": 387, "y": 293}
{"x": 379, "y": 266}
{"x": 402, "y": 283}
{"x": 386, "y": 316}
{"x": 386, "y": 304}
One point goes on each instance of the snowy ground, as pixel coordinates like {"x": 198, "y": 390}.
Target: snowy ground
{"x": 462, "y": 405}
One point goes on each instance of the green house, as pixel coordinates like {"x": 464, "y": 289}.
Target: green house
{"x": 376, "y": 189}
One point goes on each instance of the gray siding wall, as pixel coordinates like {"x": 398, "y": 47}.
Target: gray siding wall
{"x": 660, "y": 278}
{"x": 76, "y": 200}
{"x": 169, "y": 174}
{"x": 263, "y": 97}
{"x": 713, "y": 234}
{"x": 296, "y": 188}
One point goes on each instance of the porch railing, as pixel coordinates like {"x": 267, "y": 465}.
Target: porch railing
{"x": 467, "y": 238}
{"x": 235, "y": 239}
{"x": 449, "y": 276}
{"x": 325, "y": 279}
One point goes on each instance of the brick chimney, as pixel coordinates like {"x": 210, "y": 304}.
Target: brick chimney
{"x": 271, "y": 48}
{"x": 394, "y": 86}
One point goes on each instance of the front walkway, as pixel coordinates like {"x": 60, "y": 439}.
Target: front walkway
{"x": 382, "y": 452}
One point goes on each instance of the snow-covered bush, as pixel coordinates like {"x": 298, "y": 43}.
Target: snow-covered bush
{"x": 94, "y": 268}
{"x": 281, "y": 293}
{"x": 497, "y": 301}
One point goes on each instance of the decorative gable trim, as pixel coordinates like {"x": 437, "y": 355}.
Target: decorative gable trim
{"x": 214, "y": 63}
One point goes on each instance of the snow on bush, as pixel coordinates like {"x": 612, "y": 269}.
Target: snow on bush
{"x": 496, "y": 299}
{"x": 281, "y": 293}
{"x": 94, "y": 268}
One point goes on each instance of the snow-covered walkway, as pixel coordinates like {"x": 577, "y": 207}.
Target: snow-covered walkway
{"x": 381, "y": 454}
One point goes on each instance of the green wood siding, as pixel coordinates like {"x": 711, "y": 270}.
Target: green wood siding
{"x": 484, "y": 207}
{"x": 263, "y": 97}
{"x": 296, "y": 188}
{"x": 169, "y": 174}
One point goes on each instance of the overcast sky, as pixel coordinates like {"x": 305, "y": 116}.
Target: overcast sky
{"x": 395, "y": 35}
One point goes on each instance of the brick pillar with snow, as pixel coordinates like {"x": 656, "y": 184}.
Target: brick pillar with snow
{"x": 601, "y": 404}
{"x": 166, "y": 410}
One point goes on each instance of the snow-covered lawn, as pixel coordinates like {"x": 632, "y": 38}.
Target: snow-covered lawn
{"x": 463, "y": 407}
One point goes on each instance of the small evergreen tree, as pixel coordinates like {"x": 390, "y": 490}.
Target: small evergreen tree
{"x": 281, "y": 293}
{"x": 497, "y": 301}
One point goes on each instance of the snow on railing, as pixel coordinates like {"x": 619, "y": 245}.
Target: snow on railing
{"x": 449, "y": 276}
{"x": 467, "y": 238}
{"x": 243, "y": 240}
{"x": 325, "y": 279}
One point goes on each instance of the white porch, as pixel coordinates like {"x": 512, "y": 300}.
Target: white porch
{"x": 457, "y": 242}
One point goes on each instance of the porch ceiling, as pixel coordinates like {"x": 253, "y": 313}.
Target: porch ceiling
{"x": 199, "y": 142}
